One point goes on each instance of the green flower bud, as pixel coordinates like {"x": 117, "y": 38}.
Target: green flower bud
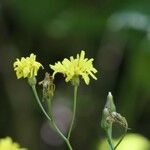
{"x": 110, "y": 103}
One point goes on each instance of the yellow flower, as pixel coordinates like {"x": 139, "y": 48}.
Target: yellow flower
{"x": 75, "y": 67}
{"x": 8, "y": 144}
{"x": 26, "y": 67}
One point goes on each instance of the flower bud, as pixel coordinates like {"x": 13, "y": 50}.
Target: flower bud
{"x": 110, "y": 103}
{"x": 106, "y": 121}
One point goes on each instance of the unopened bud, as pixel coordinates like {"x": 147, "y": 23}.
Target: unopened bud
{"x": 110, "y": 103}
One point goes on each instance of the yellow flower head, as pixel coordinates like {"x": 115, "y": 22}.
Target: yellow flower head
{"x": 26, "y": 67}
{"x": 8, "y": 144}
{"x": 76, "y": 67}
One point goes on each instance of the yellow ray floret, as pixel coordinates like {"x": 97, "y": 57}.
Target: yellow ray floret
{"x": 26, "y": 67}
{"x": 8, "y": 144}
{"x": 79, "y": 66}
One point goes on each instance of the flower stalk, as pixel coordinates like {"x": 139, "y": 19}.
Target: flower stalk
{"x": 74, "y": 111}
{"x": 50, "y": 118}
{"x": 39, "y": 103}
{"x": 109, "y": 137}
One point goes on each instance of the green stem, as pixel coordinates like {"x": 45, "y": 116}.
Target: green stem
{"x": 120, "y": 140}
{"x": 74, "y": 111}
{"x": 61, "y": 134}
{"x": 51, "y": 120}
{"x": 109, "y": 137}
{"x": 54, "y": 124}
{"x": 39, "y": 103}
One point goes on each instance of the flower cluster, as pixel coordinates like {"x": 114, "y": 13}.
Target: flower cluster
{"x": 26, "y": 67}
{"x": 71, "y": 68}
{"x": 75, "y": 67}
{"x": 8, "y": 144}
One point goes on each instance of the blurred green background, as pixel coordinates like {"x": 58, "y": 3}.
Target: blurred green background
{"x": 115, "y": 33}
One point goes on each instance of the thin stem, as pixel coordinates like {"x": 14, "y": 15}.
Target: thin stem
{"x": 74, "y": 111}
{"x": 61, "y": 134}
{"x": 51, "y": 120}
{"x": 120, "y": 140}
{"x": 39, "y": 102}
{"x": 54, "y": 124}
{"x": 109, "y": 137}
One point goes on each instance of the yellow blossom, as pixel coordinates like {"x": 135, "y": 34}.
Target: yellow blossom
{"x": 26, "y": 67}
{"x": 75, "y": 67}
{"x": 8, "y": 144}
